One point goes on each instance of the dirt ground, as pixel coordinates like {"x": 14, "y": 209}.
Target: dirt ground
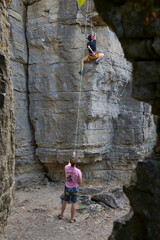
{"x": 35, "y": 211}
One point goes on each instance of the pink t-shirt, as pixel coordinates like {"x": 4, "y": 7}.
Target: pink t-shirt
{"x": 73, "y": 175}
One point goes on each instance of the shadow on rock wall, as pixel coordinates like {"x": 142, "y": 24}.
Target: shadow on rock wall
{"x": 140, "y": 44}
{"x": 6, "y": 123}
{"x": 3, "y": 68}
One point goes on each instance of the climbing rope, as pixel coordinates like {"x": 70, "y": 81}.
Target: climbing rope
{"x": 90, "y": 1}
{"x": 81, "y": 80}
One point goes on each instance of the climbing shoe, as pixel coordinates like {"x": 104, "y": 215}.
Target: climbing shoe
{"x": 96, "y": 61}
{"x": 81, "y": 73}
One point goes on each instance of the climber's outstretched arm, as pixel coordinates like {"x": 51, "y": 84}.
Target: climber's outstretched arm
{"x": 94, "y": 36}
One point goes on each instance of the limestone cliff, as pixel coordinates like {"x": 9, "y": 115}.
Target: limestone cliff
{"x": 28, "y": 168}
{"x": 114, "y": 130}
{"x": 6, "y": 122}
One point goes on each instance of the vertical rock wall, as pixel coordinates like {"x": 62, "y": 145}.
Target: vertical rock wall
{"x": 47, "y": 43}
{"x": 6, "y": 122}
{"x": 114, "y": 129}
{"x": 28, "y": 168}
{"x": 141, "y": 44}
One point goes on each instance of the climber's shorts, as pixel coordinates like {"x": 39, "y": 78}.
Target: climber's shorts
{"x": 90, "y": 57}
{"x": 71, "y": 194}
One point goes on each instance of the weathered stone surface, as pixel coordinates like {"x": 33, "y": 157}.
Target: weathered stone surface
{"x": 28, "y": 168}
{"x": 144, "y": 195}
{"x": 140, "y": 43}
{"x": 126, "y": 17}
{"x": 114, "y": 129}
{"x": 131, "y": 231}
{"x": 114, "y": 198}
{"x": 6, "y": 122}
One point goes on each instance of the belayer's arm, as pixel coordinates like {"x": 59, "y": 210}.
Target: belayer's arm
{"x": 80, "y": 178}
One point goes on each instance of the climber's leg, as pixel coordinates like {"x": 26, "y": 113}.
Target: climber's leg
{"x": 82, "y": 65}
{"x": 99, "y": 57}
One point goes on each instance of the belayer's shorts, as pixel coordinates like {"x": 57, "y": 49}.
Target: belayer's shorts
{"x": 71, "y": 194}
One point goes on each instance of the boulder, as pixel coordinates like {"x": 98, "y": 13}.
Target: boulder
{"x": 114, "y": 198}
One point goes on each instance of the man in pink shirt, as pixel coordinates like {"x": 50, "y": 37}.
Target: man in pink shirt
{"x": 73, "y": 179}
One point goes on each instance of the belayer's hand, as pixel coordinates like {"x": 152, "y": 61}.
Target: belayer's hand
{"x": 93, "y": 54}
{"x": 74, "y": 154}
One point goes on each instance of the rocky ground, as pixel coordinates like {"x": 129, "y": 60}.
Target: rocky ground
{"x": 35, "y": 211}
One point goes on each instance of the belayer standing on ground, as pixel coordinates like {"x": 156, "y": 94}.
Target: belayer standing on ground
{"x": 73, "y": 179}
{"x": 93, "y": 54}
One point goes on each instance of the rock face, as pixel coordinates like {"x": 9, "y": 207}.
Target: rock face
{"x": 143, "y": 222}
{"x": 141, "y": 45}
{"x": 28, "y": 168}
{"x": 6, "y": 122}
{"x": 47, "y": 42}
{"x": 114, "y": 130}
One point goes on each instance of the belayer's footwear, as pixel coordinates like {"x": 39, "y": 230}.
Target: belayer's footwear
{"x": 96, "y": 61}
{"x": 59, "y": 217}
{"x": 81, "y": 73}
{"x": 74, "y": 220}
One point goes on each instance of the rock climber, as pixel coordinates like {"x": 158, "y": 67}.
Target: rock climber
{"x": 93, "y": 54}
{"x": 73, "y": 179}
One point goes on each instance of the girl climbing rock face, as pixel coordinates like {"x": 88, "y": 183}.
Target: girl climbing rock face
{"x": 93, "y": 54}
{"x": 73, "y": 179}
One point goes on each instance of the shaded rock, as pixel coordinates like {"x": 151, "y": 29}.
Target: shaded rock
{"x": 45, "y": 181}
{"x": 29, "y": 180}
{"x": 7, "y": 123}
{"x": 113, "y": 198}
{"x": 143, "y": 193}
{"x": 88, "y": 202}
{"x": 104, "y": 205}
{"x": 140, "y": 43}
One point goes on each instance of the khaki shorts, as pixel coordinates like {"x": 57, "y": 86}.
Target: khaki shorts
{"x": 89, "y": 57}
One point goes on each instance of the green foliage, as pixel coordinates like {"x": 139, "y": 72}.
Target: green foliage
{"x": 81, "y": 2}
